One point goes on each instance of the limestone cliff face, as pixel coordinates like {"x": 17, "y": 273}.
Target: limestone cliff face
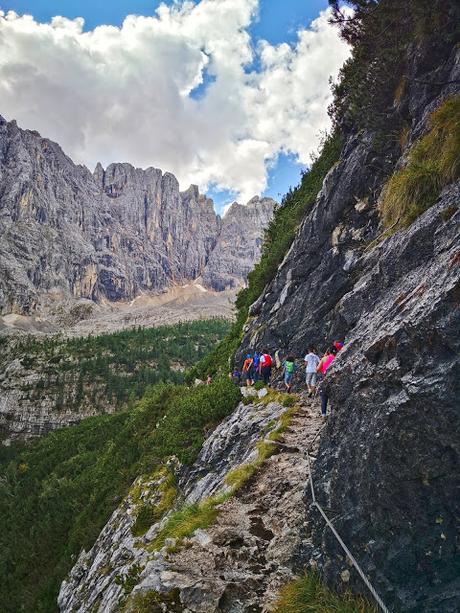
{"x": 239, "y": 244}
{"x": 67, "y": 233}
{"x": 388, "y": 461}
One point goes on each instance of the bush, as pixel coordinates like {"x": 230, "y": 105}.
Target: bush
{"x": 148, "y": 514}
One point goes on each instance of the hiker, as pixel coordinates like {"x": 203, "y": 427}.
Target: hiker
{"x": 289, "y": 370}
{"x": 337, "y": 346}
{"x": 208, "y": 380}
{"x": 311, "y": 364}
{"x": 256, "y": 364}
{"x": 247, "y": 369}
{"x": 326, "y": 361}
{"x": 265, "y": 366}
{"x": 322, "y": 368}
{"x": 235, "y": 376}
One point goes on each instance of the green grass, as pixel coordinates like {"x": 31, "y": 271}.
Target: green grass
{"x": 57, "y": 493}
{"x": 148, "y": 514}
{"x": 285, "y": 422}
{"x": 240, "y": 475}
{"x": 433, "y": 162}
{"x": 237, "y": 477}
{"x": 309, "y": 595}
{"x": 185, "y": 521}
{"x": 153, "y": 602}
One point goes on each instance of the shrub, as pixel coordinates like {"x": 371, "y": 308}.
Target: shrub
{"x": 148, "y": 514}
{"x": 129, "y": 581}
{"x": 433, "y": 162}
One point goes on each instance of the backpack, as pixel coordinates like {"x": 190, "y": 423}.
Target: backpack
{"x": 290, "y": 367}
{"x": 267, "y": 360}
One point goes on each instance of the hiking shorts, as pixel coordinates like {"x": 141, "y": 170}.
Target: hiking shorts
{"x": 310, "y": 378}
{"x": 288, "y": 377}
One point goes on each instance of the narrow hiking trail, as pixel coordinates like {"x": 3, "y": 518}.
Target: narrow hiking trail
{"x": 239, "y": 563}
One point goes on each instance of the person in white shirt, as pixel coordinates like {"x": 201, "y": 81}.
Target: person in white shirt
{"x": 311, "y": 363}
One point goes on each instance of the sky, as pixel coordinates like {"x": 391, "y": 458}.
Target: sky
{"x": 229, "y": 94}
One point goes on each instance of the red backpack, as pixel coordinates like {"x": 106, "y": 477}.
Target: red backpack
{"x": 267, "y": 360}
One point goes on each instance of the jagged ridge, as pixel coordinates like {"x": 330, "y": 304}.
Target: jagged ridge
{"x": 67, "y": 233}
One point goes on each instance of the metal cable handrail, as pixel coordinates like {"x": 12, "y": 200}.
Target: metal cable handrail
{"x": 330, "y": 525}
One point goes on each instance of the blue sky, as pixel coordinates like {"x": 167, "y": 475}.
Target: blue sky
{"x": 279, "y": 21}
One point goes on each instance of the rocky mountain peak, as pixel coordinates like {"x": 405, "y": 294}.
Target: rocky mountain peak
{"x": 239, "y": 244}
{"x": 109, "y": 234}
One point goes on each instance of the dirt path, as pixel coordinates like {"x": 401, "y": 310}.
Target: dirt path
{"x": 239, "y": 563}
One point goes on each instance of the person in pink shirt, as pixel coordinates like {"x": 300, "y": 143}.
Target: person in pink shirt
{"x": 325, "y": 361}
{"x": 323, "y": 365}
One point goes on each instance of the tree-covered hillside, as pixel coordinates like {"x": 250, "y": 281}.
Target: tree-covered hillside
{"x": 97, "y": 374}
{"x": 57, "y": 493}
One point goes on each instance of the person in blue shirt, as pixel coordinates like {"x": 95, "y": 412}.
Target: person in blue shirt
{"x": 256, "y": 364}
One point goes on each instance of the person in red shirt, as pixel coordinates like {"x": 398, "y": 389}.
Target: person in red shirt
{"x": 265, "y": 366}
{"x": 337, "y": 346}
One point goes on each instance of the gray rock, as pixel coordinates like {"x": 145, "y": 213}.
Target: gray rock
{"x": 69, "y": 234}
{"x": 388, "y": 462}
{"x": 213, "y": 560}
{"x": 239, "y": 244}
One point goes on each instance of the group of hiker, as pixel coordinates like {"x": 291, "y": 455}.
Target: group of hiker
{"x": 258, "y": 367}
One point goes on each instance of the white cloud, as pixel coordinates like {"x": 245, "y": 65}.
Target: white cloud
{"x": 123, "y": 94}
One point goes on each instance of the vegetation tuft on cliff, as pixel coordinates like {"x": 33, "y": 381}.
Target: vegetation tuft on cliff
{"x": 432, "y": 163}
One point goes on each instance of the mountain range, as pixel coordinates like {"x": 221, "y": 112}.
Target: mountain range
{"x": 110, "y": 235}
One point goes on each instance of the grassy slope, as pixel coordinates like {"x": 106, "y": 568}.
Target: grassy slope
{"x": 309, "y": 595}
{"x": 433, "y": 162}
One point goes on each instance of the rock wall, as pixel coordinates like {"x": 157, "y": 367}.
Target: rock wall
{"x": 70, "y": 234}
{"x": 388, "y": 461}
{"x": 239, "y": 244}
